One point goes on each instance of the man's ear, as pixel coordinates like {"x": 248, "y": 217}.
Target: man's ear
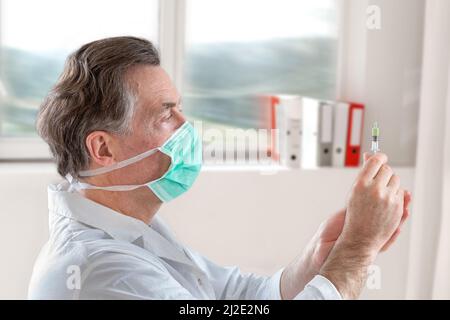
{"x": 99, "y": 145}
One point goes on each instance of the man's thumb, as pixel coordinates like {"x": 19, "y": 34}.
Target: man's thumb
{"x": 366, "y": 157}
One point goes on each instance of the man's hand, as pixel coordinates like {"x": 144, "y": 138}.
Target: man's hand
{"x": 330, "y": 230}
{"x": 375, "y": 212}
{"x": 319, "y": 247}
{"x": 377, "y": 205}
{"x": 306, "y": 266}
{"x": 303, "y": 269}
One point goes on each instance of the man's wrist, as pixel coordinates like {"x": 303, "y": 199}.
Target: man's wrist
{"x": 296, "y": 275}
{"x": 346, "y": 267}
{"x": 360, "y": 249}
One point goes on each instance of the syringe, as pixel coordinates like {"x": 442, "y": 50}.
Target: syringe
{"x": 375, "y": 138}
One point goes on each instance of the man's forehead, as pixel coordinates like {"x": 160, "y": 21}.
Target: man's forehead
{"x": 153, "y": 86}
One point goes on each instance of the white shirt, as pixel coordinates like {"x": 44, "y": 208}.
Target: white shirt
{"x": 97, "y": 253}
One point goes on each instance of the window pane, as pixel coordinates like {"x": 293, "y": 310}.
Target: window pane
{"x": 37, "y": 36}
{"x": 237, "y": 50}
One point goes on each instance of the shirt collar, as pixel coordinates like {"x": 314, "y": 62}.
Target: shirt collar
{"x": 74, "y": 206}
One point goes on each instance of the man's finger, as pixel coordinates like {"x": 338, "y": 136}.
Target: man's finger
{"x": 384, "y": 176}
{"x": 372, "y": 166}
{"x": 406, "y": 203}
{"x": 394, "y": 183}
{"x": 397, "y": 232}
{"x": 391, "y": 241}
{"x": 408, "y": 199}
{"x": 401, "y": 196}
{"x": 405, "y": 217}
{"x": 331, "y": 229}
{"x": 366, "y": 157}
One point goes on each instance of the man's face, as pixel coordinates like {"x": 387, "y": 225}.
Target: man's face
{"x": 157, "y": 116}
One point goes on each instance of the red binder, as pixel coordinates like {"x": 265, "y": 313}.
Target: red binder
{"x": 354, "y": 135}
{"x": 274, "y": 148}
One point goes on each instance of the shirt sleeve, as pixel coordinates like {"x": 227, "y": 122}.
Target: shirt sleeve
{"x": 231, "y": 283}
{"x": 319, "y": 288}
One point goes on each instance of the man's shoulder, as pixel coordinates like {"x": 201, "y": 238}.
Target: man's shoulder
{"x": 61, "y": 264}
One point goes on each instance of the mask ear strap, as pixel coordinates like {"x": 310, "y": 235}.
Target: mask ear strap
{"x": 139, "y": 157}
{"x": 118, "y": 165}
{"x": 78, "y": 185}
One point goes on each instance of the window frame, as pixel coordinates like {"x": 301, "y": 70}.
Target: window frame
{"x": 172, "y": 32}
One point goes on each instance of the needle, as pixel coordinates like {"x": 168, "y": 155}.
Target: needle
{"x": 375, "y": 138}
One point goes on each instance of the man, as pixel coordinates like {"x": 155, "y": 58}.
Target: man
{"x": 114, "y": 125}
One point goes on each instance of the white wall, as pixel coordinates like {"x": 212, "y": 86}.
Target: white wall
{"x": 259, "y": 222}
{"x": 429, "y": 275}
{"x": 382, "y": 69}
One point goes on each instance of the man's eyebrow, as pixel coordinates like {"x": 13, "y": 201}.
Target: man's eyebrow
{"x": 169, "y": 104}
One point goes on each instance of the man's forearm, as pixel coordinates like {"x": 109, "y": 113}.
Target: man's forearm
{"x": 299, "y": 272}
{"x": 291, "y": 281}
{"x": 346, "y": 267}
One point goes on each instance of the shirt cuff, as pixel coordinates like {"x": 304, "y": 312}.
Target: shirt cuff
{"x": 274, "y": 286}
{"x": 323, "y": 287}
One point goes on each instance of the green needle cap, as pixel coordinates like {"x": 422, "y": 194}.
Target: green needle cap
{"x": 375, "y": 130}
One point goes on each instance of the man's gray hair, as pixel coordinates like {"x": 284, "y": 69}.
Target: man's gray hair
{"x": 92, "y": 94}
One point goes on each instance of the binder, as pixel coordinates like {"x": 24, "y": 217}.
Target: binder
{"x": 354, "y": 137}
{"x": 341, "y": 115}
{"x": 310, "y": 133}
{"x": 325, "y": 151}
{"x": 290, "y": 130}
{"x": 310, "y": 138}
{"x": 274, "y": 127}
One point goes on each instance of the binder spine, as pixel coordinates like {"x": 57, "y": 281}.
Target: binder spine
{"x": 354, "y": 138}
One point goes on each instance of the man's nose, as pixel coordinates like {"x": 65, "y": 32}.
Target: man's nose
{"x": 179, "y": 116}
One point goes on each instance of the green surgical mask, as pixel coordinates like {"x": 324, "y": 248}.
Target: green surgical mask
{"x": 185, "y": 151}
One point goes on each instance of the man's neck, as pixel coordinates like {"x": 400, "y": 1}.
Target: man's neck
{"x": 140, "y": 204}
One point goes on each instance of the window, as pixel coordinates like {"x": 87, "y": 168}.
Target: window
{"x": 37, "y": 36}
{"x": 224, "y": 54}
{"x": 237, "y": 50}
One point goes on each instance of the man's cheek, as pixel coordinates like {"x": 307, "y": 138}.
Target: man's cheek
{"x": 163, "y": 163}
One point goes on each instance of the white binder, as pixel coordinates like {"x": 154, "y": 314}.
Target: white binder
{"x": 341, "y": 114}
{"x": 310, "y": 138}
{"x": 290, "y": 126}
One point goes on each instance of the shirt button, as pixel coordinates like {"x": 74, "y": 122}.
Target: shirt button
{"x": 199, "y": 281}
